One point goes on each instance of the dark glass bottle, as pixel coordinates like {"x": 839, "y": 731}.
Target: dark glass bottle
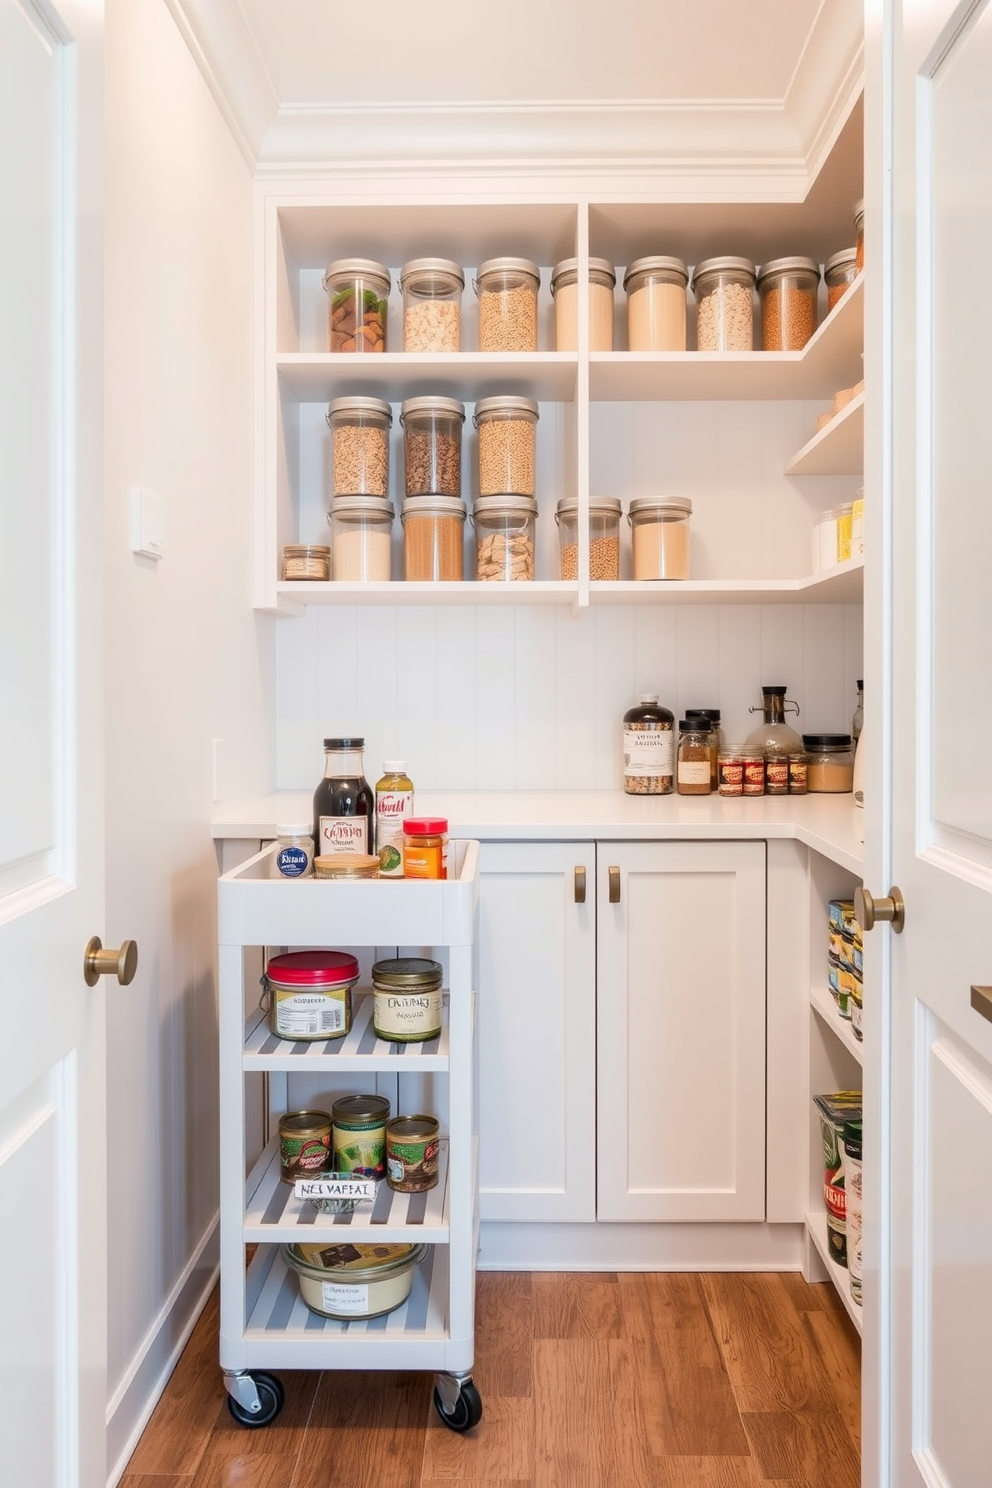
{"x": 344, "y": 802}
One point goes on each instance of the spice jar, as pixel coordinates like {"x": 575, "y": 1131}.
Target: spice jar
{"x": 294, "y": 850}
{"x": 724, "y": 291}
{"x": 504, "y": 537}
{"x": 753, "y": 763}
{"x": 565, "y": 293}
{"x": 425, "y": 847}
{"x": 432, "y": 446}
{"x": 306, "y": 561}
{"x": 361, "y": 538}
{"x": 507, "y": 290}
{"x": 839, "y": 273}
{"x": 859, "y": 233}
{"x": 358, "y": 1135}
{"x": 604, "y": 537}
{"x": 659, "y": 527}
{"x": 433, "y": 538}
{"x": 656, "y": 304}
{"x": 648, "y": 748}
{"x": 304, "y": 1144}
{"x": 359, "y": 446}
{"x": 412, "y": 1149}
{"x": 829, "y": 762}
{"x": 308, "y": 994}
{"x": 432, "y": 304}
{"x": 507, "y": 445}
{"x": 787, "y": 289}
{"x": 693, "y": 774}
{"x": 798, "y": 775}
{"x": 730, "y": 771}
{"x": 716, "y": 737}
{"x": 407, "y": 999}
{"x": 357, "y": 300}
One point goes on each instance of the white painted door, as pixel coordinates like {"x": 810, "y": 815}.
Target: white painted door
{"x": 929, "y": 235}
{"x": 52, "y": 1132}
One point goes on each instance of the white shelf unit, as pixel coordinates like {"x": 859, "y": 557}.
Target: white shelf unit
{"x": 264, "y": 1322}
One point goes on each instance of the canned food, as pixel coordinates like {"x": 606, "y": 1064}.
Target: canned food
{"x": 304, "y": 1144}
{"x": 407, "y": 999}
{"x": 358, "y": 1135}
{"x": 412, "y": 1148}
{"x": 309, "y": 994}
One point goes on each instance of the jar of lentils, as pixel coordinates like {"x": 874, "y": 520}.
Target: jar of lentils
{"x": 656, "y": 304}
{"x": 724, "y": 291}
{"x": 604, "y": 537}
{"x": 787, "y": 289}
{"x": 432, "y": 304}
{"x": 357, "y": 299}
{"x": 359, "y": 446}
{"x": 432, "y": 446}
{"x": 839, "y": 273}
{"x": 433, "y": 538}
{"x": 504, "y": 537}
{"x": 507, "y": 290}
{"x": 507, "y": 445}
{"x": 565, "y": 293}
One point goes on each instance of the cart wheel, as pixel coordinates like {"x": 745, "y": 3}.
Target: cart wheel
{"x": 468, "y": 1408}
{"x": 271, "y": 1395}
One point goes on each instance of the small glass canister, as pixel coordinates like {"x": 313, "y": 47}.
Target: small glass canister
{"x": 361, "y": 538}
{"x": 507, "y": 429}
{"x": 839, "y": 273}
{"x": 829, "y": 762}
{"x": 656, "y": 289}
{"x": 507, "y": 290}
{"x": 693, "y": 776}
{"x": 407, "y": 999}
{"x": 357, "y": 301}
{"x": 565, "y": 293}
{"x": 859, "y": 233}
{"x": 787, "y": 289}
{"x": 432, "y": 446}
{"x": 504, "y": 537}
{"x": 753, "y": 763}
{"x": 724, "y": 291}
{"x": 716, "y": 738}
{"x": 659, "y": 527}
{"x": 358, "y": 1135}
{"x": 604, "y": 537}
{"x": 432, "y": 304}
{"x": 306, "y": 561}
{"x": 359, "y": 446}
{"x": 345, "y": 867}
{"x": 433, "y": 538}
{"x": 294, "y": 850}
{"x": 308, "y": 994}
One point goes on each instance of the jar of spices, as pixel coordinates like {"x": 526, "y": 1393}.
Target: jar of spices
{"x": 358, "y": 1135}
{"x": 659, "y": 527}
{"x": 716, "y": 737}
{"x": 294, "y": 850}
{"x": 565, "y": 293}
{"x": 693, "y": 770}
{"x": 507, "y": 445}
{"x": 724, "y": 291}
{"x": 306, "y": 561}
{"x": 412, "y": 1150}
{"x": 730, "y": 771}
{"x": 648, "y": 748}
{"x": 304, "y": 1144}
{"x": 308, "y": 994}
{"x": 787, "y": 289}
{"x": 361, "y": 538}
{"x": 656, "y": 289}
{"x": 407, "y": 999}
{"x": 753, "y": 763}
{"x": 504, "y": 537}
{"x": 859, "y": 233}
{"x": 858, "y": 524}
{"x": 839, "y": 273}
{"x": 432, "y": 446}
{"x": 604, "y": 537}
{"x": 357, "y": 300}
{"x": 432, "y": 304}
{"x": 507, "y": 290}
{"x": 829, "y": 762}
{"x": 359, "y": 446}
{"x": 425, "y": 847}
{"x": 798, "y": 785}
{"x": 433, "y": 538}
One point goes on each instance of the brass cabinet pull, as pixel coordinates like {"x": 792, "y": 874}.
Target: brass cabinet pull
{"x": 981, "y": 1001}
{"x": 614, "y": 873}
{"x": 580, "y": 886}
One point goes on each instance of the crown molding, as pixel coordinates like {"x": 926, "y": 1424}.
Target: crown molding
{"x": 224, "y": 50}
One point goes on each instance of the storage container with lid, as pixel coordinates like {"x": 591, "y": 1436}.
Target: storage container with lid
{"x": 294, "y": 850}
{"x": 407, "y": 999}
{"x": 604, "y": 537}
{"x": 787, "y": 289}
{"x": 504, "y": 536}
{"x": 507, "y": 290}
{"x": 839, "y": 273}
{"x": 829, "y": 762}
{"x": 433, "y": 538}
{"x": 648, "y": 748}
{"x": 693, "y": 771}
{"x": 659, "y": 527}
{"x": 859, "y": 233}
{"x": 507, "y": 428}
{"x": 565, "y": 292}
{"x": 412, "y": 1149}
{"x": 712, "y": 715}
{"x": 306, "y": 561}
{"x": 432, "y": 446}
{"x": 432, "y": 304}
{"x": 346, "y": 867}
{"x": 308, "y": 994}
{"x": 724, "y": 291}
{"x": 425, "y": 847}
{"x": 359, "y": 446}
{"x": 361, "y": 538}
{"x": 357, "y": 302}
{"x": 351, "y": 1281}
{"x": 304, "y": 1144}
{"x": 656, "y": 289}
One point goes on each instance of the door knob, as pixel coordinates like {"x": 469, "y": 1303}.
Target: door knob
{"x": 868, "y": 910}
{"x": 97, "y": 962}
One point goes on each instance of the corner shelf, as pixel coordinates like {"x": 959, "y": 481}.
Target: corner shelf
{"x": 838, "y": 448}
{"x": 822, "y": 1003}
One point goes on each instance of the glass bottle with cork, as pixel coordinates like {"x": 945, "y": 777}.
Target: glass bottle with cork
{"x": 393, "y": 802}
{"x": 344, "y": 803}
{"x": 775, "y": 739}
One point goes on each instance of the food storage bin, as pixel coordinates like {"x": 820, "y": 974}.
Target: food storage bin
{"x": 433, "y": 537}
{"x": 659, "y": 528}
{"x": 724, "y": 291}
{"x": 787, "y": 289}
{"x": 507, "y": 290}
{"x": 604, "y": 537}
{"x": 859, "y": 233}
{"x": 829, "y": 762}
{"x": 839, "y": 273}
{"x": 361, "y": 538}
{"x": 432, "y": 446}
{"x": 357, "y": 301}
{"x": 351, "y": 1281}
{"x": 504, "y": 537}
{"x": 565, "y": 293}
{"x": 306, "y": 561}
{"x": 656, "y": 289}
{"x": 432, "y": 304}
{"x": 507, "y": 428}
{"x": 359, "y": 446}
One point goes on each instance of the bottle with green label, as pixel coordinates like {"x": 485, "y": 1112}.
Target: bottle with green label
{"x": 393, "y": 801}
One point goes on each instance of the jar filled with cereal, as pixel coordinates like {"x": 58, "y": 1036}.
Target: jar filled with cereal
{"x": 432, "y": 445}
{"x": 724, "y": 291}
{"x": 504, "y": 537}
{"x": 507, "y": 290}
{"x": 359, "y": 446}
{"x": 787, "y": 289}
{"x": 604, "y": 537}
{"x": 432, "y": 304}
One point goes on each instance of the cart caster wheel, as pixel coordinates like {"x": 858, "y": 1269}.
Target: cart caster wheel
{"x": 468, "y": 1408}
{"x": 271, "y": 1395}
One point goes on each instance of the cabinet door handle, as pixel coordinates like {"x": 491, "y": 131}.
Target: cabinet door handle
{"x": 614, "y": 873}
{"x": 580, "y": 886}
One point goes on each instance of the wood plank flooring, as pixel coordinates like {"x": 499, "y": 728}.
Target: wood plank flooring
{"x": 587, "y": 1381}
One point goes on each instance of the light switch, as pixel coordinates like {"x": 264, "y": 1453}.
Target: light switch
{"x": 147, "y": 524}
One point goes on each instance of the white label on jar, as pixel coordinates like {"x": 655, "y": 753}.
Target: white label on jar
{"x": 648, "y": 751}
{"x": 407, "y": 1014}
{"x": 390, "y": 809}
{"x": 343, "y": 834}
{"x": 300, "y": 1013}
{"x": 336, "y": 1297}
{"x": 694, "y": 772}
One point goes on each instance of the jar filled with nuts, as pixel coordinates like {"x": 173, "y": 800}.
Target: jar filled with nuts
{"x": 432, "y": 304}
{"x": 433, "y": 538}
{"x": 787, "y": 289}
{"x": 432, "y": 446}
{"x": 507, "y": 445}
{"x": 504, "y": 537}
{"x": 507, "y": 290}
{"x": 604, "y": 537}
{"x": 648, "y": 748}
{"x": 357, "y": 298}
{"x": 359, "y": 446}
{"x": 724, "y": 291}
{"x": 839, "y": 273}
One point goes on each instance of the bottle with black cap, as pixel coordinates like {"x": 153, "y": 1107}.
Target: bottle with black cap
{"x": 344, "y": 802}
{"x": 775, "y": 739}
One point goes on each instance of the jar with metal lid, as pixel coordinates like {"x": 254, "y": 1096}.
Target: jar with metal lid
{"x": 432, "y": 304}
{"x": 306, "y": 561}
{"x": 504, "y": 537}
{"x": 730, "y": 771}
{"x": 359, "y": 446}
{"x": 656, "y": 289}
{"x": 716, "y": 738}
{"x": 507, "y": 290}
{"x": 693, "y": 772}
{"x": 859, "y": 233}
{"x": 753, "y": 765}
{"x": 659, "y": 529}
{"x": 829, "y": 762}
{"x": 648, "y": 748}
{"x": 432, "y": 446}
{"x": 357, "y": 301}
{"x": 604, "y": 537}
{"x": 361, "y": 538}
{"x": 308, "y": 994}
{"x": 425, "y": 847}
{"x": 839, "y": 273}
{"x": 413, "y": 1146}
{"x": 724, "y": 291}
{"x": 294, "y": 850}
{"x": 358, "y": 1135}
{"x": 507, "y": 428}
{"x": 304, "y": 1144}
{"x": 345, "y": 867}
{"x": 433, "y": 538}
{"x": 798, "y": 775}
{"x": 407, "y": 999}
{"x": 787, "y": 289}
{"x": 565, "y": 293}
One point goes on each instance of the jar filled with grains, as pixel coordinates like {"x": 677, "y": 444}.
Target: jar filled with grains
{"x": 359, "y": 446}
{"x": 565, "y": 293}
{"x": 839, "y": 273}
{"x": 712, "y": 715}
{"x": 656, "y": 304}
{"x": 859, "y": 233}
{"x": 724, "y": 291}
{"x": 504, "y": 537}
{"x": 306, "y": 561}
{"x": 361, "y": 538}
{"x": 648, "y": 748}
{"x": 659, "y": 527}
{"x": 787, "y": 288}
{"x": 433, "y": 538}
{"x": 357, "y": 300}
{"x": 507, "y": 445}
{"x": 604, "y": 537}
{"x": 432, "y": 446}
{"x": 507, "y": 290}
{"x": 432, "y": 304}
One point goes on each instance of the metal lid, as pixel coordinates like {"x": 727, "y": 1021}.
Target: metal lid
{"x": 313, "y": 550}
{"x": 606, "y": 505}
{"x": 777, "y": 691}
{"x": 845, "y": 257}
{"x": 509, "y": 501}
{"x": 356, "y": 1263}
{"x": 413, "y": 1126}
{"x": 295, "y": 829}
{"x": 433, "y": 506}
{"x": 825, "y": 743}
{"x": 303, "y": 1122}
{"x": 694, "y": 725}
{"x": 713, "y": 714}
{"x": 796, "y": 265}
{"x": 353, "y": 506}
{"x": 357, "y": 268}
{"x": 408, "y": 971}
{"x": 660, "y": 503}
{"x": 721, "y": 265}
{"x": 508, "y": 266}
{"x": 357, "y": 404}
{"x": 312, "y": 968}
{"x": 660, "y": 264}
{"x": 486, "y": 407}
{"x": 450, "y": 406}
{"x": 428, "y": 266}
{"x": 351, "y": 743}
{"x": 570, "y": 266}
{"x": 360, "y": 1108}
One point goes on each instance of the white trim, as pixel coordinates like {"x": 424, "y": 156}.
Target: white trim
{"x": 513, "y": 1246}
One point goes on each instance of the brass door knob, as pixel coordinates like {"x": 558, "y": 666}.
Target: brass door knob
{"x": 97, "y": 962}
{"x": 868, "y": 910}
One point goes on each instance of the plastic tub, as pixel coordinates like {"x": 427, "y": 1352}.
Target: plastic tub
{"x": 350, "y": 1281}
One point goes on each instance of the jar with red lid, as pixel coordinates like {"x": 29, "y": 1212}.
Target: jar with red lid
{"x": 425, "y": 847}
{"x": 308, "y": 994}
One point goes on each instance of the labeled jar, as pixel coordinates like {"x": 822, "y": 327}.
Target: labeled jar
{"x": 787, "y": 289}
{"x": 432, "y": 446}
{"x": 433, "y": 538}
{"x": 407, "y": 999}
{"x": 361, "y": 539}
{"x": 859, "y": 233}
{"x": 604, "y": 537}
{"x": 359, "y": 446}
{"x": 716, "y": 737}
{"x": 343, "y": 803}
{"x": 656, "y": 289}
{"x": 294, "y": 850}
{"x": 308, "y": 994}
{"x": 357, "y": 301}
{"x": 306, "y": 561}
{"x": 425, "y": 847}
{"x": 798, "y": 781}
{"x": 393, "y": 802}
{"x": 730, "y": 771}
{"x": 358, "y": 1135}
{"x": 648, "y": 748}
{"x": 565, "y": 293}
{"x": 845, "y": 530}
{"x": 432, "y": 304}
{"x": 304, "y": 1144}
{"x": 693, "y": 771}
{"x": 659, "y": 528}
{"x": 413, "y": 1147}
{"x": 724, "y": 291}
{"x": 507, "y": 290}
{"x": 777, "y": 774}
{"x": 829, "y": 762}
{"x": 507, "y": 428}
{"x": 353, "y": 1281}
{"x": 504, "y": 537}
{"x": 839, "y": 273}
{"x": 753, "y": 763}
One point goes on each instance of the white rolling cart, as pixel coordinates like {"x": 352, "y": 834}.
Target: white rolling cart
{"x": 264, "y": 1323}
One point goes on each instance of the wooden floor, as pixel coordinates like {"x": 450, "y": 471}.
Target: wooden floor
{"x": 591, "y": 1381}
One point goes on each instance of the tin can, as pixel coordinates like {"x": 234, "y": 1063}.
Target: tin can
{"x": 358, "y": 1135}
{"x": 777, "y": 775}
{"x": 412, "y": 1148}
{"x": 309, "y": 994}
{"x": 754, "y": 774}
{"x": 797, "y": 775}
{"x": 407, "y": 999}
{"x": 304, "y": 1144}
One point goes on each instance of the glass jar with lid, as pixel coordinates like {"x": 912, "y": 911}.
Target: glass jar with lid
{"x": 359, "y": 446}
{"x": 604, "y": 537}
{"x": 775, "y": 739}
{"x": 306, "y": 561}
{"x": 432, "y": 445}
{"x": 724, "y": 291}
{"x": 648, "y": 748}
{"x": 507, "y": 428}
{"x": 712, "y": 715}
{"x": 357, "y": 301}
{"x": 507, "y": 290}
{"x": 825, "y": 540}
{"x": 433, "y": 538}
{"x": 656, "y": 288}
{"x": 859, "y": 233}
{"x": 407, "y": 999}
{"x": 829, "y": 762}
{"x": 432, "y": 304}
{"x": 787, "y": 289}
{"x": 361, "y": 538}
{"x": 694, "y": 775}
{"x": 565, "y": 293}
{"x": 659, "y": 527}
{"x": 504, "y": 537}
{"x": 839, "y": 273}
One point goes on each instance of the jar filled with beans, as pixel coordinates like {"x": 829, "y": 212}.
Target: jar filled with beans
{"x": 787, "y": 288}
{"x": 724, "y": 291}
{"x": 361, "y": 538}
{"x": 432, "y": 304}
{"x": 432, "y": 446}
{"x": 507, "y": 445}
{"x": 507, "y": 290}
{"x": 604, "y": 537}
{"x": 839, "y": 273}
{"x": 433, "y": 538}
{"x": 504, "y": 537}
{"x": 359, "y": 446}
{"x": 357, "y": 299}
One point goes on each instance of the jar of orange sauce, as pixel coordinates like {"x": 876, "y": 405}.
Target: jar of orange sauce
{"x": 425, "y": 847}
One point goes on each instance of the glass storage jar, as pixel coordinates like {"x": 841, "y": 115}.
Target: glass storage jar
{"x": 361, "y": 538}
{"x": 306, "y": 561}
{"x": 656, "y": 304}
{"x": 712, "y": 715}
{"x": 724, "y": 291}
{"x": 359, "y": 446}
{"x": 507, "y": 290}
{"x": 839, "y": 273}
{"x": 507, "y": 429}
{"x": 659, "y": 527}
{"x": 357, "y": 301}
{"x": 406, "y": 1005}
{"x": 648, "y": 748}
{"x": 432, "y": 304}
{"x": 294, "y": 850}
{"x": 504, "y": 537}
{"x": 425, "y": 847}
{"x": 829, "y": 762}
{"x": 859, "y": 233}
{"x": 604, "y": 537}
{"x": 433, "y": 538}
{"x": 565, "y": 293}
{"x": 787, "y": 289}
{"x": 432, "y": 446}
{"x": 693, "y": 773}
{"x": 308, "y": 994}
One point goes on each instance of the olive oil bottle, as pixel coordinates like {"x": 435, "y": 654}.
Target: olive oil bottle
{"x": 393, "y": 801}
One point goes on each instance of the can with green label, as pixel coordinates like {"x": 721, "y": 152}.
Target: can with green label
{"x": 358, "y": 1135}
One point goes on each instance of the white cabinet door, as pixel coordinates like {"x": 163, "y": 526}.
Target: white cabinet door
{"x": 681, "y": 1031}
{"x": 537, "y": 1031}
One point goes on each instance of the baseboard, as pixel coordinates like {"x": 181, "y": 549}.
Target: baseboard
{"x": 640, "y": 1247}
